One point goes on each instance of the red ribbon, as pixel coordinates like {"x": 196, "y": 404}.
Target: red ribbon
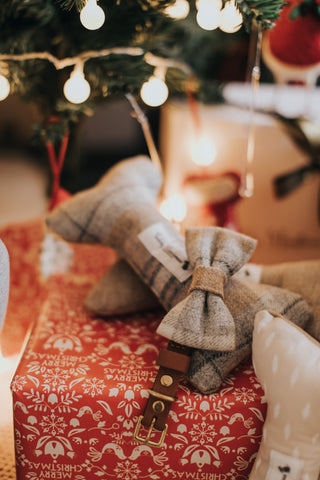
{"x": 193, "y": 105}
{"x": 56, "y": 164}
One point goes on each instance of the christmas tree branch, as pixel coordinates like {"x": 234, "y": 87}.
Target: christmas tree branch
{"x": 262, "y": 12}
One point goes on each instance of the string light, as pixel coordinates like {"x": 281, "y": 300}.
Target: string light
{"x": 161, "y": 64}
{"x": 247, "y": 180}
{"x": 4, "y": 87}
{"x": 230, "y": 18}
{"x": 208, "y": 15}
{"x": 77, "y": 89}
{"x": 155, "y": 92}
{"x": 179, "y": 10}
{"x": 203, "y": 152}
{"x": 174, "y": 208}
{"x": 92, "y": 16}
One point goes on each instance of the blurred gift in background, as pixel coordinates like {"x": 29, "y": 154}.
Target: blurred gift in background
{"x": 283, "y": 211}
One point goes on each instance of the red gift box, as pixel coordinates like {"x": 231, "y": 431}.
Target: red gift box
{"x": 82, "y": 383}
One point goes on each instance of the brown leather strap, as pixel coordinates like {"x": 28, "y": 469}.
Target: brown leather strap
{"x": 173, "y": 365}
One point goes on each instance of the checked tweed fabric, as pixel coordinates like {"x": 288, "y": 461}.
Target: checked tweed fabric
{"x": 202, "y": 319}
{"x": 301, "y": 277}
{"x": 120, "y": 212}
{"x": 107, "y": 299}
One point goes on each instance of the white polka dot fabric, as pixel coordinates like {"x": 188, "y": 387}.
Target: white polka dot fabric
{"x": 287, "y": 363}
{"x": 4, "y": 281}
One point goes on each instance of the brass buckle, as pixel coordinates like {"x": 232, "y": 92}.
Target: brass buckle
{"x": 146, "y": 440}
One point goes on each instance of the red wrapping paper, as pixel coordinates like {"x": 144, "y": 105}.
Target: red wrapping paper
{"x": 82, "y": 383}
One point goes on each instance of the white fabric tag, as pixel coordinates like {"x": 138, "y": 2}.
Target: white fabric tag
{"x": 283, "y": 467}
{"x": 168, "y": 249}
{"x": 250, "y": 272}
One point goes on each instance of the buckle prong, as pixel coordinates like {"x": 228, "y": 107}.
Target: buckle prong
{"x": 146, "y": 440}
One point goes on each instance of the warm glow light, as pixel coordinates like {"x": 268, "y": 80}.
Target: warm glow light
{"x": 174, "y": 208}
{"x": 230, "y": 18}
{"x": 92, "y": 16}
{"x": 4, "y": 87}
{"x": 203, "y": 152}
{"x": 208, "y": 16}
{"x": 154, "y": 92}
{"x": 179, "y": 10}
{"x": 247, "y": 187}
{"x": 76, "y": 89}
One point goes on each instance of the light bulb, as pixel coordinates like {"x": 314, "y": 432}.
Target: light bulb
{"x": 174, "y": 208}
{"x": 92, "y": 16}
{"x": 230, "y": 18}
{"x": 76, "y": 89}
{"x": 203, "y": 152}
{"x": 208, "y": 16}
{"x": 179, "y": 10}
{"x": 4, "y": 87}
{"x": 154, "y": 92}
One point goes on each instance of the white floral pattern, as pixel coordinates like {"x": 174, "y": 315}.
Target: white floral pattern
{"x": 83, "y": 382}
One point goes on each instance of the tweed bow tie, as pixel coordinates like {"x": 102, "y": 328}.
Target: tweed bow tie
{"x": 202, "y": 320}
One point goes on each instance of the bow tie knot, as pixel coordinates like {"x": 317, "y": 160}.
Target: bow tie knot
{"x": 208, "y": 279}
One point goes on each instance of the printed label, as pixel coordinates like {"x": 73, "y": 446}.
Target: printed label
{"x": 168, "y": 249}
{"x": 283, "y": 467}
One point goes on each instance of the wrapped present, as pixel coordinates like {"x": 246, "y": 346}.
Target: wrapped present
{"x": 82, "y": 383}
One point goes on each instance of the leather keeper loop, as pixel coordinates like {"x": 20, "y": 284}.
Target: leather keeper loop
{"x": 173, "y": 361}
{"x": 208, "y": 279}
